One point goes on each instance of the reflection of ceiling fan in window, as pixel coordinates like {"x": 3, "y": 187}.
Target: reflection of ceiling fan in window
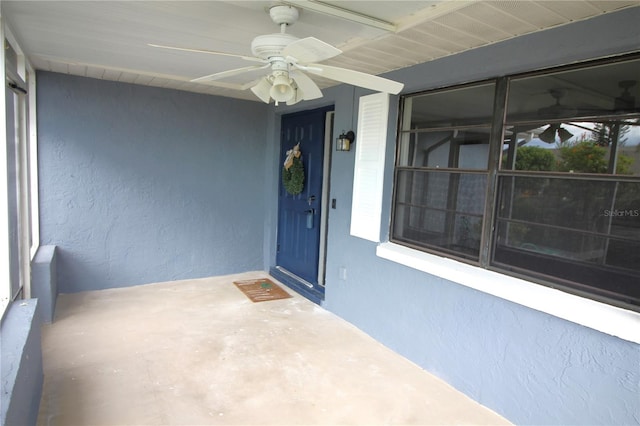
{"x": 557, "y": 110}
{"x": 626, "y": 102}
{"x": 555, "y": 131}
{"x": 288, "y": 59}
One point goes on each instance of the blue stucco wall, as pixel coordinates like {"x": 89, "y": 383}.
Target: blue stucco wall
{"x": 44, "y": 281}
{"x": 141, "y": 184}
{"x": 21, "y": 375}
{"x": 531, "y": 367}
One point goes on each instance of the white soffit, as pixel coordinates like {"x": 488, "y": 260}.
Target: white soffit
{"x": 453, "y": 27}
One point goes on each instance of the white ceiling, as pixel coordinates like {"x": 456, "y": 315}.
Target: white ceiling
{"x": 109, "y": 39}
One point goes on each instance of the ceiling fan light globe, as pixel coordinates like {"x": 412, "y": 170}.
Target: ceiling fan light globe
{"x": 281, "y": 91}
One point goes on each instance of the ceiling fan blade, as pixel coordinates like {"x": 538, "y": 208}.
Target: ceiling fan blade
{"x": 262, "y": 89}
{"x": 209, "y": 52}
{"x": 355, "y": 78}
{"x": 310, "y": 49}
{"x": 223, "y": 74}
{"x": 308, "y": 86}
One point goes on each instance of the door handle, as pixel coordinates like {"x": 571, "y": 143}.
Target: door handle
{"x": 310, "y": 213}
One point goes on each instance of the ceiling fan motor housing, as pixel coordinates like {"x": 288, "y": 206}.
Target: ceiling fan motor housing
{"x": 269, "y": 45}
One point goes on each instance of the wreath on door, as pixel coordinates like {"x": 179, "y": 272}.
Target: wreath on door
{"x": 293, "y": 171}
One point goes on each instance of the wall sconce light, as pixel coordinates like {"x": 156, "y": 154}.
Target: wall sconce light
{"x": 345, "y": 140}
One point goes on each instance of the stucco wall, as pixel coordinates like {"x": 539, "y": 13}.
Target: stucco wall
{"x": 141, "y": 184}
{"x": 21, "y": 375}
{"x": 531, "y": 367}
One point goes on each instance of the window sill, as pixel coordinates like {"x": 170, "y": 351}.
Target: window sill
{"x": 599, "y": 316}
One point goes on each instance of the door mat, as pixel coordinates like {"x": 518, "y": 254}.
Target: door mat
{"x": 261, "y": 290}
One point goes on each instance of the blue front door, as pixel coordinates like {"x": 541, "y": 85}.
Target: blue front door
{"x": 299, "y": 215}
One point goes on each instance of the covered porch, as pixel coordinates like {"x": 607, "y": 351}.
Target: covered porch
{"x": 200, "y": 352}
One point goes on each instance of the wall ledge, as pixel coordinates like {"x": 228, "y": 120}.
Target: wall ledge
{"x": 44, "y": 281}
{"x": 612, "y": 320}
{"x": 22, "y": 374}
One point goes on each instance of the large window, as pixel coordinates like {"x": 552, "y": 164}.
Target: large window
{"x": 539, "y": 180}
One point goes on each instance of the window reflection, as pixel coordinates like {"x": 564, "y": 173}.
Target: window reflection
{"x": 608, "y": 89}
{"x": 585, "y": 231}
{"x": 611, "y": 147}
{"x": 457, "y": 107}
{"x": 441, "y": 210}
{"x": 460, "y": 148}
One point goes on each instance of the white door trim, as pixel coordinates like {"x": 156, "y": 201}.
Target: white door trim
{"x": 324, "y": 214}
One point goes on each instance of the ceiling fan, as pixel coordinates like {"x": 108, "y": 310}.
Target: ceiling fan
{"x": 557, "y": 110}
{"x": 288, "y": 58}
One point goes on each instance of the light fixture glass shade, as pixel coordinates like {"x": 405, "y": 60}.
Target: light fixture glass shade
{"x": 262, "y": 89}
{"x": 344, "y": 141}
{"x": 343, "y": 144}
{"x": 549, "y": 135}
{"x": 564, "y": 134}
{"x": 281, "y": 91}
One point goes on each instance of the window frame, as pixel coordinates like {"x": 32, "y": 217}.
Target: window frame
{"x": 489, "y": 231}
{"x": 26, "y": 173}
{"x": 5, "y": 278}
{"x": 498, "y": 109}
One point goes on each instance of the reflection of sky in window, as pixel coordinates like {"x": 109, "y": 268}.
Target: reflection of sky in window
{"x": 580, "y": 132}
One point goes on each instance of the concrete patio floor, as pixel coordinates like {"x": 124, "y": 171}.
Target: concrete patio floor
{"x": 200, "y": 352}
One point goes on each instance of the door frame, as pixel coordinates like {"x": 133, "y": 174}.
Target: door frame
{"x": 326, "y": 186}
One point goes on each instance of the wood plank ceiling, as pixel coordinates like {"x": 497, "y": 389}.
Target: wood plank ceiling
{"x": 109, "y": 39}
